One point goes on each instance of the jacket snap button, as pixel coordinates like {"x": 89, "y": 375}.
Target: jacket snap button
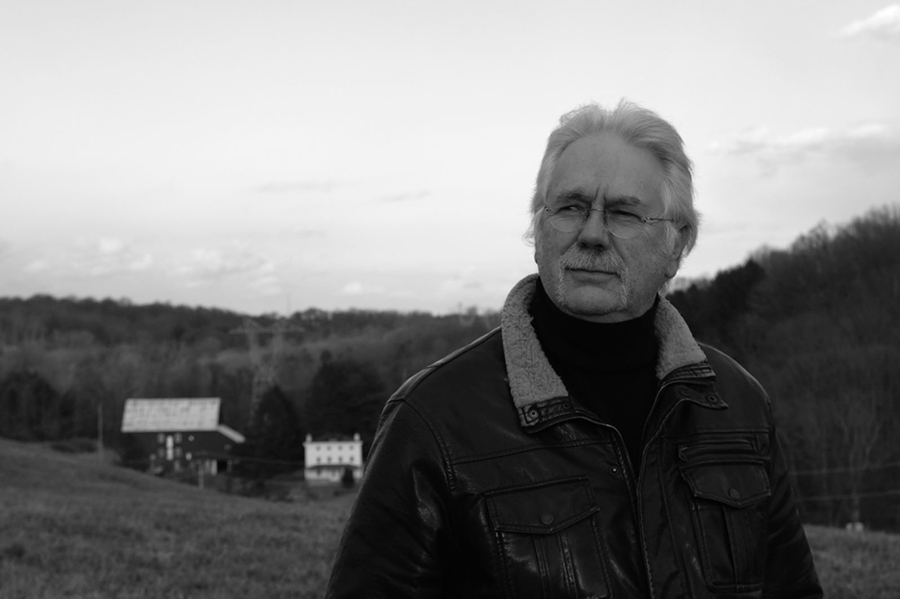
{"x": 614, "y": 469}
{"x": 547, "y": 519}
{"x": 734, "y": 493}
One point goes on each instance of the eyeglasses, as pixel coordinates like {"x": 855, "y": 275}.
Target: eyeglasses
{"x": 620, "y": 223}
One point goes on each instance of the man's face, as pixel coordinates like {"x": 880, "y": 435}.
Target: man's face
{"x": 588, "y": 273}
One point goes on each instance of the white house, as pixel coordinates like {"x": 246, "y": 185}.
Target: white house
{"x": 326, "y": 460}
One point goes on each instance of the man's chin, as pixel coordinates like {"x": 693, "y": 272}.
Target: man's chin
{"x": 589, "y": 302}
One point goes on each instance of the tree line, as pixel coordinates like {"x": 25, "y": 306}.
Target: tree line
{"x": 64, "y": 361}
{"x": 818, "y": 323}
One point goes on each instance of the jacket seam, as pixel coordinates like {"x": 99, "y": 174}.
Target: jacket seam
{"x": 449, "y": 475}
{"x": 526, "y": 449}
{"x": 723, "y": 432}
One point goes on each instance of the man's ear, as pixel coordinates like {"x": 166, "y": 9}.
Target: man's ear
{"x": 678, "y": 245}
{"x": 535, "y": 233}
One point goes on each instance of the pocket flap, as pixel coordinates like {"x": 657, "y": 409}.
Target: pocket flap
{"x": 543, "y": 508}
{"x": 734, "y": 484}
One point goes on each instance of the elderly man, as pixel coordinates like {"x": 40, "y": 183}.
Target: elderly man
{"x": 589, "y": 447}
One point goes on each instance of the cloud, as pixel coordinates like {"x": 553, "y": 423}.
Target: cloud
{"x": 36, "y": 266}
{"x": 265, "y": 281}
{"x": 716, "y": 226}
{"x": 405, "y": 197}
{"x": 205, "y": 266}
{"x": 103, "y": 257}
{"x": 324, "y": 186}
{"x": 884, "y": 25}
{"x": 307, "y": 232}
{"x": 869, "y": 144}
{"x": 460, "y": 283}
{"x": 357, "y": 288}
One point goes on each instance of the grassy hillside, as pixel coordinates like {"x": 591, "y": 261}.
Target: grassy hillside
{"x": 72, "y": 526}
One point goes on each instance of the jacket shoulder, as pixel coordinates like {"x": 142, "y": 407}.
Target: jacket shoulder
{"x": 460, "y": 369}
{"x": 734, "y": 383}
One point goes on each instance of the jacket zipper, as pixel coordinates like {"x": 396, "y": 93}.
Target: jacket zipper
{"x": 640, "y": 478}
{"x": 636, "y": 483}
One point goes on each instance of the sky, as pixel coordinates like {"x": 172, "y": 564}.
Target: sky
{"x": 276, "y": 155}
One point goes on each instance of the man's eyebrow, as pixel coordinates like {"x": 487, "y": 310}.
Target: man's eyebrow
{"x": 623, "y": 201}
{"x": 581, "y": 196}
{"x": 573, "y": 195}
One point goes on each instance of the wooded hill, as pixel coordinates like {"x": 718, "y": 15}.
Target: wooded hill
{"x": 817, "y": 323}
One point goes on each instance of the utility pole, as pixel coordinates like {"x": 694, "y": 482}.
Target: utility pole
{"x": 100, "y": 431}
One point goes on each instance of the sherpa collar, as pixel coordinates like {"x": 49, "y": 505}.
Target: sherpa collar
{"x": 532, "y": 379}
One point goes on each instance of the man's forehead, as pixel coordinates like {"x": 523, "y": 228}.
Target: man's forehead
{"x": 606, "y": 166}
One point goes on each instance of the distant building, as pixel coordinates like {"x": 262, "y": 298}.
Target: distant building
{"x": 327, "y": 459}
{"x": 177, "y": 432}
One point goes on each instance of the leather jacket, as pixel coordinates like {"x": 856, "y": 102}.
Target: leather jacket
{"x": 486, "y": 479}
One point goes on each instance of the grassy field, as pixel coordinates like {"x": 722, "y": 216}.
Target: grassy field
{"x": 72, "y": 526}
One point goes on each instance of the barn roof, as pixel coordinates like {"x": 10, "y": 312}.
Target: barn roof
{"x": 171, "y": 414}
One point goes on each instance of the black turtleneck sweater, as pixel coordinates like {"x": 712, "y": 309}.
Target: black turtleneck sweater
{"x": 608, "y": 368}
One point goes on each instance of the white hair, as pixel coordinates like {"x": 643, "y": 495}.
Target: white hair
{"x": 642, "y": 129}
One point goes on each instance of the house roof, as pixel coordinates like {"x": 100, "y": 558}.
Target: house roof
{"x": 231, "y": 433}
{"x": 172, "y": 414}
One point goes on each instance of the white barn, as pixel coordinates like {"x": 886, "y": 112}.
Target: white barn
{"x": 326, "y": 460}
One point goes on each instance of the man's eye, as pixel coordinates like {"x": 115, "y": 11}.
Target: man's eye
{"x": 623, "y": 214}
{"x": 571, "y": 208}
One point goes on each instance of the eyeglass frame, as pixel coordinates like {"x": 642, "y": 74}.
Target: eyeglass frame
{"x": 586, "y": 212}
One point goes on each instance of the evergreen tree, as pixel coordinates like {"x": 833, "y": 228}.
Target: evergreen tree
{"x": 31, "y": 409}
{"x": 345, "y": 397}
{"x": 274, "y": 442}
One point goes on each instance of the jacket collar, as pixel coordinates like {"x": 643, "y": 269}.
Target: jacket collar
{"x": 531, "y": 378}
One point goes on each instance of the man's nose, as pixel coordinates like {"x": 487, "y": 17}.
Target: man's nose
{"x": 593, "y": 231}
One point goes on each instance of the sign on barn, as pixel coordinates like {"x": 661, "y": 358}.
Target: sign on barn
{"x": 327, "y": 460}
{"x": 177, "y": 432}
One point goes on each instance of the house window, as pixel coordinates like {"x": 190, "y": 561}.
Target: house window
{"x": 178, "y": 437}
{"x": 190, "y": 437}
{"x": 160, "y": 438}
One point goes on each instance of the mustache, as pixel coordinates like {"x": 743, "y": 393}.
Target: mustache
{"x": 580, "y": 258}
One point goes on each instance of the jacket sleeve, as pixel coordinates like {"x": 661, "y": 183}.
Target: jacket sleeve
{"x": 790, "y": 572}
{"x": 396, "y": 540}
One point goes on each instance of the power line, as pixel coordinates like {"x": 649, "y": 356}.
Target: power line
{"x": 849, "y": 495}
{"x": 846, "y": 469}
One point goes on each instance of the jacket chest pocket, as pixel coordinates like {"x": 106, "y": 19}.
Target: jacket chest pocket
{"x": 729, "y": 516}
{"x": 547, "y": 541}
